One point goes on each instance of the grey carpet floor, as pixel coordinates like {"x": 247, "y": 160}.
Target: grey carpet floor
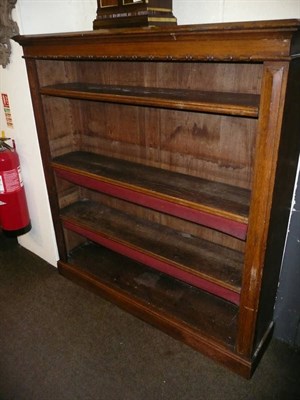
{"x": 61, "y": 342}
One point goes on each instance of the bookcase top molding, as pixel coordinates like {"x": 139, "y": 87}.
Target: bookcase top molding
{"x": 250, "y": 41}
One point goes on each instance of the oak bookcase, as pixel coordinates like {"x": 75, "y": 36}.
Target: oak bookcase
{"x": 170, "y": 157}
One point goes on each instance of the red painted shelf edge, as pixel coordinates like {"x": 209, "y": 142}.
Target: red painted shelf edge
{"x": 150, "y": 261}
{"x": 217, "y": 222}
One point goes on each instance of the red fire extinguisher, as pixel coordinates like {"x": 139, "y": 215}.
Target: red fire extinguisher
{"x": 14, "y": 216}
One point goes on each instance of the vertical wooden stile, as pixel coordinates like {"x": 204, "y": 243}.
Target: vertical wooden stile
{"x": 268, "y": 137}
{"x": 43, "y": 138}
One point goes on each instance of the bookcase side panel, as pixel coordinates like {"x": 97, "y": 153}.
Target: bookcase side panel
{"x": 283, "y": 193}
{"x": 34, "y": 83}
{"x": 269, "y": 131}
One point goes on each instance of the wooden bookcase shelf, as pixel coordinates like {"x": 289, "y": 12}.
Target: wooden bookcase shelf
{"x": 242, "y": 104}
{"x": 120, "y": 279}
{"x": 170, "y": 156}
{"x": 213, "y": 204}
{"x": 198, "y": 262}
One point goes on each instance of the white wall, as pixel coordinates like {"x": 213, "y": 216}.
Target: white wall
{"x": 44, "y": 16}
{"x": 36, "y": 16}
{"x": 203, "y": 11}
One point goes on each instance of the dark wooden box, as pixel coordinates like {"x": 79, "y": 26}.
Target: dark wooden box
{"x": 126, "y": 13}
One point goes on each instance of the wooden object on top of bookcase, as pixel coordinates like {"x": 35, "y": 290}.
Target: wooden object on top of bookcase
{"x": 129, "y": 13}
{"x": 170, "y": 156}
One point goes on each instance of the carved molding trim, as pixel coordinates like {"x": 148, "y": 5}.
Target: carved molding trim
{"x": 8, "y": 28}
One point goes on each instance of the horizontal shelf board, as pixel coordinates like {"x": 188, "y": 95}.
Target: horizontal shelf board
{"x": 198, "y": 262}
{"x": 157, "y": 297}
{"x": 216, "y": 205}
{"x": 240, "y": 104}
